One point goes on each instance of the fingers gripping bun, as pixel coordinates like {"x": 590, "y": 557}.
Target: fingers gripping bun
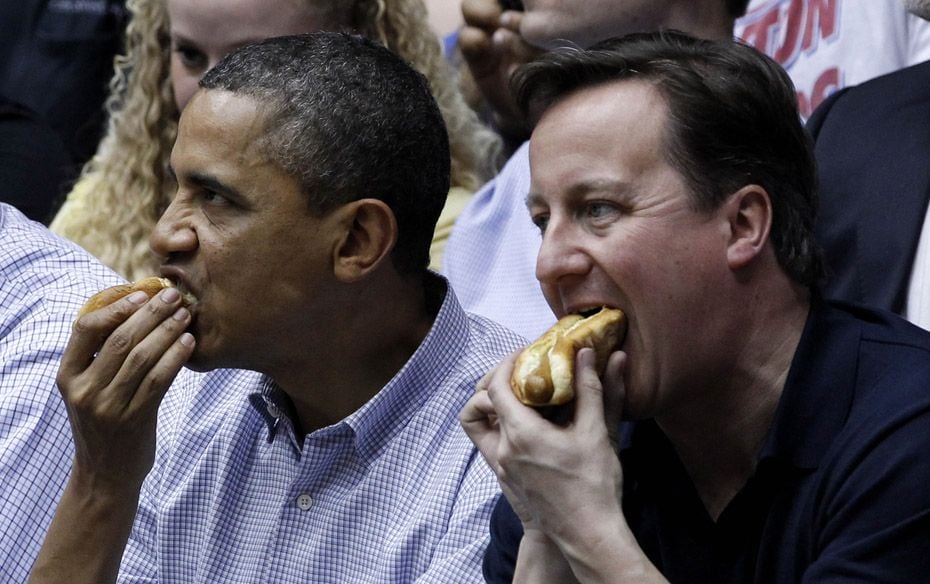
{"x": 151, "y": 286}
{"x": 543, "y": 374}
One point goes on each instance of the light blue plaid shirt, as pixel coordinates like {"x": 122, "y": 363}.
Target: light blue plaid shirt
{"x": 43, "y": 282}
{"x": 394, "y": 493}
{"x": 490, "y": 258}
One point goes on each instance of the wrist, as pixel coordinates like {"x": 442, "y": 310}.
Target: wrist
{"x": 96, "y": 493}
{"x": 606, "y": 551}
{"x": 540, "y": 560}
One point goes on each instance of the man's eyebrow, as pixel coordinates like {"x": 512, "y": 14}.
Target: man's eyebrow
{"x": 208, "y": 182}
{"x": 617, "y": 187}
{"x": 212, "y": 183}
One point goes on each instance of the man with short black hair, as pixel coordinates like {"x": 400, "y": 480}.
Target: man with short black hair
{"x": 311, "y": 171}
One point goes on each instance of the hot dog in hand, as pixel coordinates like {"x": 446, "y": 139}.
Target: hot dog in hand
{"x": 543, "y": 374}
{"x": 151, "y": 286}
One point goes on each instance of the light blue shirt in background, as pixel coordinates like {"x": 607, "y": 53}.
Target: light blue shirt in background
{"x": 490, "y": 258}
{"x": 44, "y": 280}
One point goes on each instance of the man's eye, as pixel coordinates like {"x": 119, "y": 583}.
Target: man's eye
{"x": 541, "y": 221}
{"x": 598, "y": 210}
{"x": 214, "y": 199}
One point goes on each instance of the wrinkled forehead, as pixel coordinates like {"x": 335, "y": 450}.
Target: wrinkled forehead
{"x": 222, "y": 123}
{"x": 616, "y": 112}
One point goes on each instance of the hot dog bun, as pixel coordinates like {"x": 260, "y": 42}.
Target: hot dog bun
{"x": 543, "y": 374}
{"x": 151, "y": 286}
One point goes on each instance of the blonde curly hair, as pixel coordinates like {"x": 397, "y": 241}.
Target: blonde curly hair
{"x": 127, "y": 185}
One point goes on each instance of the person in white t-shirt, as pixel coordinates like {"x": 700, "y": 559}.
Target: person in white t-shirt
{"x": 828, "y": 45}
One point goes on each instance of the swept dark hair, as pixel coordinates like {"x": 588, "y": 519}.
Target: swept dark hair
{"x": 350, "y": 120}
{"x": 732, "y": 121}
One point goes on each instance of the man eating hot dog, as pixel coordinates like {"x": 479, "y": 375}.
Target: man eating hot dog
{"x": 311, "y": 171}
{"x": 768, "y": 435}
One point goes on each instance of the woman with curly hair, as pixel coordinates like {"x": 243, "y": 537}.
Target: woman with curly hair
{"x": 169, "y": 45}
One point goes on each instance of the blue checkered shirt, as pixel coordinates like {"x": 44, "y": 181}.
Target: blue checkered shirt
{"x": 43, "y": 281}
{"x": 490, "y": 258}
{"x": 393, "y": 493}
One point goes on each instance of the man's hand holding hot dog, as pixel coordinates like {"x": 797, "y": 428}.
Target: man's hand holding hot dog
{"x": 116, "y": 368}
{"x": 559, "y": 494}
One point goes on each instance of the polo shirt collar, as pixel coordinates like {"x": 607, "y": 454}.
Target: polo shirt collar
{"x": 823, "y": 371}
{"x": 389, "y": 411}
{"x": 819, "y": 389}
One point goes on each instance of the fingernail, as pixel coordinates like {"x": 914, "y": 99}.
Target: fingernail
{"x": 187, "y": 340}
{"x": 138, "y": 297}
{"x": 169, "y": 295}
{"x": 181, "y": 314}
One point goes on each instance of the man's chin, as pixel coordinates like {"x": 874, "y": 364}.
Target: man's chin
{"x": 200, "y": 362}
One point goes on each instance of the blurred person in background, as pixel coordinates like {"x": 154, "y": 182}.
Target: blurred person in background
{"x": 170, "y": 45}
{"x": 825, "y": 46}
{"x": 872, "y": 143}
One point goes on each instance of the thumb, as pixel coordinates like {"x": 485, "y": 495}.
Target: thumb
{"x": 589, "y": 394}
{"x": 614, "y": 393}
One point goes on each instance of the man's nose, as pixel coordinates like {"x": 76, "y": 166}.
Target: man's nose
{"x": 561, "y": 253}
{"x": 175, "y": 231}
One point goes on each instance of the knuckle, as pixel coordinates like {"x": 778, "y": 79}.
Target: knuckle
{"x": 86, "y": 402}
{"x": 173, "y": 326}
{"x": 155, "y": 307}
{"x": 154, "y": 380}
{"x": 82, "y": 326}
{"x": 137, "y": 360}
{"x": 120, "y": 342}
{"x": 81, "y": 399}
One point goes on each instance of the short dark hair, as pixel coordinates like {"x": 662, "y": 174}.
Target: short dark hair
{"x": 732, "y": 121}
{"x": 350, "y": 120}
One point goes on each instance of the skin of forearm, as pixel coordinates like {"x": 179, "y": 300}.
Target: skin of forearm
{"x": 608, "y": 553}
{"x": 540, "y": 560}
{"x": 87, "y": 536}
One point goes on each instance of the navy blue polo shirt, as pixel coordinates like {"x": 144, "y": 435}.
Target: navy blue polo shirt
{"x": 841, "y": 492}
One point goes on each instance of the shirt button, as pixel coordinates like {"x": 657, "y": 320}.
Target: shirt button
{"x": 304, "y": 502}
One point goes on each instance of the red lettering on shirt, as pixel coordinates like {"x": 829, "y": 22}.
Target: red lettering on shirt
{"x": 822, "y": 16}
{"x": 785, "y": 29}
{"x": 827, "y": 83}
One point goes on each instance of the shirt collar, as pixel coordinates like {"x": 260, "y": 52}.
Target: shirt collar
{"x": 275, "y": 408}
{"x": 390, "y": 409}
{"x": 819, "y": 389}
{"x": 420, "y": 377}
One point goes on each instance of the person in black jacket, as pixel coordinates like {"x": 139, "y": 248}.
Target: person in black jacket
{"x": 34, "y": 163}
{"x": 872, "y": 143}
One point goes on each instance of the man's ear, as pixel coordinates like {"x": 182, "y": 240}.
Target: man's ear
{"x": 370, "y": 232}
{"x": 749, "y": 212}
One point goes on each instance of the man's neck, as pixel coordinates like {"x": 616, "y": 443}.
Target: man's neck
{"x": 375, "y": 336}
{"x": 719, "y": 435}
